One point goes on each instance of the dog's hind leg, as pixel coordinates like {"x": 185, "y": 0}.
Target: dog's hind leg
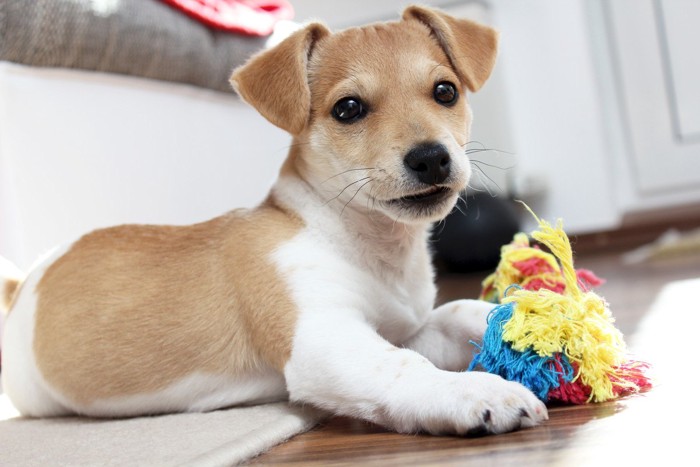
{"x": 21, "y": 379}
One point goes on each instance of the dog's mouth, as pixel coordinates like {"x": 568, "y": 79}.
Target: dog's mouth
{"x": 423, "y": 199}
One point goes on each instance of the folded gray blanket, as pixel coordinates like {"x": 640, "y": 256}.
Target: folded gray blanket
{"x": 145, "y": 38}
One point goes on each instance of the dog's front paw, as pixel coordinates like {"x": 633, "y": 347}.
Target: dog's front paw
{"x": 498, "y": 406}
{"x": 472, "y": 404}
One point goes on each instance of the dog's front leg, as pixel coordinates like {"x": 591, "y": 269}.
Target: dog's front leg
{"x": 445, "y": 338}
{"x": 339, "y": 363}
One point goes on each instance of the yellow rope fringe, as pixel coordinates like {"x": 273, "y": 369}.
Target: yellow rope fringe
{"x": 577, "y": 323}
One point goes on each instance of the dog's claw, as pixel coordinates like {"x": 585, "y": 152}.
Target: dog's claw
{"x": 480, "y": 430}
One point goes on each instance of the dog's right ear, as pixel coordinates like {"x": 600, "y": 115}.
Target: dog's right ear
{"x": 275, "y": 81}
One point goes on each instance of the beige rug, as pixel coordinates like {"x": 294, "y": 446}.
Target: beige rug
{"x": 220, "y": 438}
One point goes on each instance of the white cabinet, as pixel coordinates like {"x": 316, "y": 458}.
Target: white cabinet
{"x": 604, "y": 99}
{"x": 655, "y": 47}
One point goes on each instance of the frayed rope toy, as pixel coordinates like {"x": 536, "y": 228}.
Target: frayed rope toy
{"x": 549, "y": 331}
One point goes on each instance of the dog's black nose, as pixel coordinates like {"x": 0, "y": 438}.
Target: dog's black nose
{"x": 429, "y": 162}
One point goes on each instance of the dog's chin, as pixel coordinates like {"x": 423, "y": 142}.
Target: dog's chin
{"x": 429, "y": 205}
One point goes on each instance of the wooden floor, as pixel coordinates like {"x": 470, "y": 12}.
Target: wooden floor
{"x": 657, "y": 306}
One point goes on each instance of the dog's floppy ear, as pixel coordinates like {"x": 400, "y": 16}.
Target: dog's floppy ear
{"x": 470, "y": 47}
{"x": 275, "y": 81}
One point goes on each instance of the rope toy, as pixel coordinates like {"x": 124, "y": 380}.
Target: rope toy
{"x": 549, "y": 331}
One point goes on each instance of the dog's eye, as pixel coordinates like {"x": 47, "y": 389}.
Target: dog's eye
{"x": 348, "y": 109}
{"x": 445, "y": 93}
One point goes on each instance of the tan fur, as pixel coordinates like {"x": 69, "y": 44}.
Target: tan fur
{"x": 172, "y": 300}
{"x": 9, "y": 292}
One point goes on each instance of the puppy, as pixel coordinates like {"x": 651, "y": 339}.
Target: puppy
{"x": 324, "y": 293}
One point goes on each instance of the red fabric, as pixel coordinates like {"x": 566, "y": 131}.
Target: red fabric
{"x": 570, "y": 392}
{"x": 575, "y": 392}
{"x": 631, "y": 372}
{"x": 250, "y": 17}
{"x": 545, "y": 283}
{"x": 533, "y": 266}
{"x": 587, "y": 279}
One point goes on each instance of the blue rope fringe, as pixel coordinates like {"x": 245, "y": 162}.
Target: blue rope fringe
{"x": 539, "y": 374}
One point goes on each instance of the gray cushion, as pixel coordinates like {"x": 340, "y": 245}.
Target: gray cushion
{"x": 144, "y": 38}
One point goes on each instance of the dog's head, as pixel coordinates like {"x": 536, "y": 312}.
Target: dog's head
{"x": 379, "y": 113}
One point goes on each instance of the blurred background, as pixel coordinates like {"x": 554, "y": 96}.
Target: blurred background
{"x": 119, "y": 111}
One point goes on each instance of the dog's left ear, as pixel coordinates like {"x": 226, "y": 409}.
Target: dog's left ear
{"x": 470, "y": 47}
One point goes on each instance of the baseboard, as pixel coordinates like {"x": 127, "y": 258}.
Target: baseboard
{"x": 638, "y": 229}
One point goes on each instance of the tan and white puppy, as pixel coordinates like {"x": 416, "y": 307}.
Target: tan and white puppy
{"x": 324, "y": 293}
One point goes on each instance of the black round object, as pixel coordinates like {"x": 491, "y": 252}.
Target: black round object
{"x": 470, "y": 238}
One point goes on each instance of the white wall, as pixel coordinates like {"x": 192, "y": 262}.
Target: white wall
{"x": 81, "y": 150}
{"x": 552, "y": 84}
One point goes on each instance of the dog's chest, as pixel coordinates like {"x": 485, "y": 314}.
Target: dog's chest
{"x": 402, "y": 307}
{"x": 403, "y": 291}
{"x": 394, "y": 293}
